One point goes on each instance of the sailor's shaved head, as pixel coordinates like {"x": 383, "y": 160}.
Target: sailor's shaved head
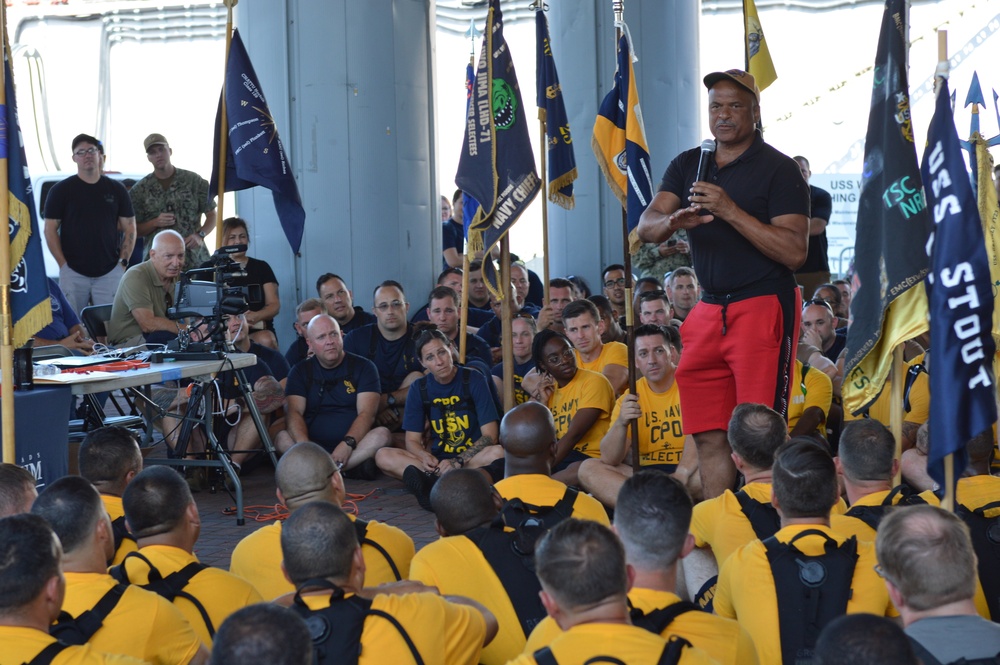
{"x": 307, "y": 473}
{"x": 528, "y": 430}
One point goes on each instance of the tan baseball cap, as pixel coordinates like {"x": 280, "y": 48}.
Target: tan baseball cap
{"x": 738, "y": 76}
{"x": 154, "y": 139}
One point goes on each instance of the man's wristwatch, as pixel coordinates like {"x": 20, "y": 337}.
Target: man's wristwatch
{"x": 123, "y": 262}
{"x": 202, "y": 234}
{"x": 390, "y": 400}
{"x": 351, "y": 442}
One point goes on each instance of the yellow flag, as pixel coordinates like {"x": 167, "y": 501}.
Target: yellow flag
{"x": 758, "y": 57}
{"x": 989, "y": 213}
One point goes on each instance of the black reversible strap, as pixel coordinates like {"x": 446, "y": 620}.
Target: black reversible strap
{"x": 48, "y": 654}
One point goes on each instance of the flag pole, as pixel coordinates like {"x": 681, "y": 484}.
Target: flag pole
{"x": 463, "y": 319}
{"x": 543, "y": 142}
{"x": 948, "y": 500}
{"x": 619, "y": 9}
{"x": 897, "y": 379}
{"x": 6, "y": 326}
{"x": 506, "y": 325}
{"x": 223, "y": 124}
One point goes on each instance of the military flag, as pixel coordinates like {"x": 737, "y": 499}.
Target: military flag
{"x": 989, "y": 214}
{"x": 758, "y": 56}
{"x": 497, "y": 165}
{"x": 30, "y": 310}
{"x": 890, "y": 305}
{"x": 255, "y": 155}
{"x": 961, "y": 300}
{"x": 619, "y": 143}
{"x": 552, "y": 109}
{"x": 469, "y": 205}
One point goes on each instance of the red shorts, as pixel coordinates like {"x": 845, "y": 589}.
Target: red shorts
{"x": 740, "y": 352}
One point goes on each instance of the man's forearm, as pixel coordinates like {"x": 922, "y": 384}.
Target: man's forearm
{"x": 613, "y": 443}
{"x": 295, "y": 425}
{"x": 781, "y": 244}
{"x": 475, "y": 449}
{"x": 127, "y": 227}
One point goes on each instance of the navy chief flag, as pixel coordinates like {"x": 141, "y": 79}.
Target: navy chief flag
{"x": 255, "y": 154}
{"x": 30, "y": 310}
{"x": 552, "y": 109}
{"x": 497, "y": 165}
{"x": 961, "y": 300}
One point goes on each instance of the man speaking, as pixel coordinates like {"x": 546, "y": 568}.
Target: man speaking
{"x": 747, "y": 219}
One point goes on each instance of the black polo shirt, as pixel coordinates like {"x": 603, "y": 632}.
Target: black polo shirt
{"x": 763, "y": 182}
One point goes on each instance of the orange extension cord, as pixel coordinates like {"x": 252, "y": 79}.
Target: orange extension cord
{"x": 264, "y": 513}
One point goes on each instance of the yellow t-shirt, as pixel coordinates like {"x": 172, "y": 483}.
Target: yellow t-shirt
{"x": 920, "y": 402}
{"x": 442, "y": 631}
{"x": 722, "y": 639}
{"x": 661, "y": 437}
{"x": 221, "y": 593}
{"x": 815, "y": 389}
{"x": 627, "y": 643}
{"x": 113, "y": 504}
{"x": 257, "y": 558}
{"x": 163, "y": 636}
{"x": 612, "y": 353}
{"x": 746, "y": 592}
{"x": 542, "y": 490}
{"x": 457, "y": 567}
{"x": 21, "y": 644}
{"x": 587, "y": 390}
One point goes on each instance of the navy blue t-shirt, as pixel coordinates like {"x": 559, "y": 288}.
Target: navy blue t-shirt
{"x": 452, "y": 235}
{"x": 275, "y": 361}
{"x": 297, "y": 351}
{"x": 456, "y": 411}
{"x": 360, "y": 318}
{"x": 63, "y": 316}
{"x": 476, "y": 347}
{"x": 520, "y": 369}
{"x": 394, "y": 359}
{"x": 492, "y": 330}
{"x": 332, "y": 395}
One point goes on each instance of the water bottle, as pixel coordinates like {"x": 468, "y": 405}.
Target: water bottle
{"x": 46, "y": 370}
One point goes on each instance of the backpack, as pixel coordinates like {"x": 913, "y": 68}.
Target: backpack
{"x": 671, "y": 654}
{"x": 814, "y": 590}
{"x": 872, "y": 515}
{"x": 927, "y": 658}
{"x": 336, "y": 630}
{"x": 511, "y": 554}
{"x": 120, "y": 532}
{"x": 48, "y": 654}
{"x": 79, "y": 630}
{"x": 361, "y": 529}
{"x": 985, "y": 532}
{"x": 657, "y": 620}
{"x": 762, "y": 516}
{"x": 170, "y": 587}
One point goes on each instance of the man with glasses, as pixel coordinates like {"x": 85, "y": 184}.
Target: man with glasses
{"x": 172, "y": 198}
{"x": 389, "y": 344}
{"x": 339, "y": 303}
{"x": 89, "y": 228}
{"x": 614, "y": 286}
{"x": 333, "y": 399}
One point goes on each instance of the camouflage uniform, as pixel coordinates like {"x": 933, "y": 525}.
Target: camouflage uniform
{"x": 648, "y": 262}
{"x": 186, "y": 198}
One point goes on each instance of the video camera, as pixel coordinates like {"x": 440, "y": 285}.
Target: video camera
{"x": 211, "y": 299}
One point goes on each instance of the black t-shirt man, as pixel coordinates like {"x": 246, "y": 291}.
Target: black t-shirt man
{"x": 88, "y": 214}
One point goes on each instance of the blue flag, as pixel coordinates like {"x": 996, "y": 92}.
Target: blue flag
{"x": 469, "y": 205}
{"x": 961, "y": 300}
{"x": 552, "y": 108}
{"x": 620, "y": 143}
{"x": 255, "y": 154}
{"x": 30, "y": 310}
{"x": 497, "y": 165}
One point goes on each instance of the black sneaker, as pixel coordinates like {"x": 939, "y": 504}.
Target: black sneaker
{"x": 367, "y": 470}
{"x": 420, "y": 484}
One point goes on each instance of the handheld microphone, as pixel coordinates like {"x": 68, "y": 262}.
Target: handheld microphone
{"x": 705, "y": 160}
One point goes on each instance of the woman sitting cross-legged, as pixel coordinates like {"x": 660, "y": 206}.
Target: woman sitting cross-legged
{"x": 450, "y": 421}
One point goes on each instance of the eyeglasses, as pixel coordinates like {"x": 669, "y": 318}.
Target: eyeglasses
{"x": 384, "y": 306}
{"x": 614, "y": 282}
{"x": 820, "y": 302}
{"x": 88, "y": 151}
